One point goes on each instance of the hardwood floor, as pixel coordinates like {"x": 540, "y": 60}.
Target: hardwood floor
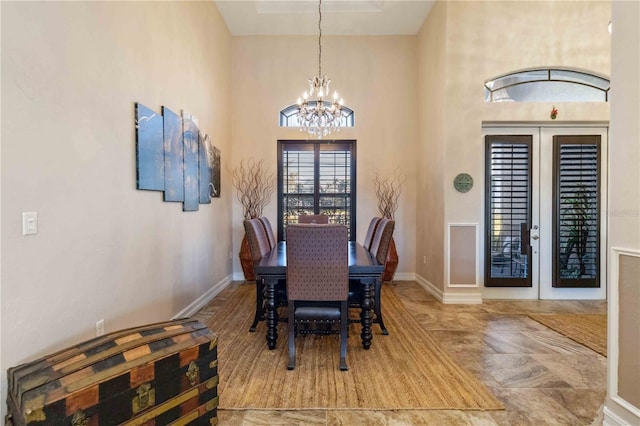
{"x": 542, "y": 377}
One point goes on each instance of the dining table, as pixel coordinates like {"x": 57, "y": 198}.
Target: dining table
{"x": 363, "y": 267}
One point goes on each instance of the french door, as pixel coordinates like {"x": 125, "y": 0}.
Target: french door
{"x": 545, "y": 189}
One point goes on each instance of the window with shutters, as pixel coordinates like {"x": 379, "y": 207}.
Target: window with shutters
{"x": 576, "y": 212}
{"x": 316, "y": 177}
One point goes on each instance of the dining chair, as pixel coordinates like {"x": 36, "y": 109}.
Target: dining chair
{"x": 317, "y": 283}
{"x": 368, "y": 238}
{"x": 259, "y": 247}
{"x": 269, "y": 230}
{"x": 379, "y": 248}
{"x": 320, "y": 219}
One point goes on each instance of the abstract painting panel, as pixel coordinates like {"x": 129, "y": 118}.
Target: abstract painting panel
{"x": 206, "y": 168}
{"x": 173, "y": 156}
{"x": 149, "y": 152}
{"x": 191, "y": 139}
{"x": 215, "y": 176}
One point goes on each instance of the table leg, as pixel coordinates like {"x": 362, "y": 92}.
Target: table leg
{"x": 365, "y": 314}
{"x": 272, "y": 313}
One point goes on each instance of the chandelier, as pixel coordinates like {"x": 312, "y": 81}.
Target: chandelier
{"x": 319, "y": 118}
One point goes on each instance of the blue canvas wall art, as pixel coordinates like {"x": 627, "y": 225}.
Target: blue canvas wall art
{"x": 215, "y": 173}
{"x": 173, "y": 156}
{"x": 205, "y": 158}
{"x": 149, "y": 152}
{"x": 191, "y": 139}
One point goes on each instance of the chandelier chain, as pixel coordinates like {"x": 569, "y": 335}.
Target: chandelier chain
{"x": 320, "y": 38}
{"x": 319, "y": 117}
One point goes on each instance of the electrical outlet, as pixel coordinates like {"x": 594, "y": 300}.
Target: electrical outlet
{"x": 424, "y": 259}
{"x": 230, "y": 255}
{"x": 99, "y": 327}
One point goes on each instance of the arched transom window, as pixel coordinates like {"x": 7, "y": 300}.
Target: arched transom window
{"x": 289, "y": 115}
{"x": 547, "y": 85}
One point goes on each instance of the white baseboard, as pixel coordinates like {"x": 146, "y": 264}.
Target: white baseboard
{"x": 203, "y": 300}
{"x": 457, "y": 298}
{"x": 404, "y": 276}
{"x": 613, "y": 419}
{"x": 433, "y": 290}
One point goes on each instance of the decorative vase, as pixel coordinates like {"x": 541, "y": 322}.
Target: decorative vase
{"x": 391, "y": 263}
{"x": 245, "y": 260}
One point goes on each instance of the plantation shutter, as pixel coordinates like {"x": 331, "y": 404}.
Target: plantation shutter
{"x": 316, "y": 178}
{"x": 576, "y": 212}
{"x": 508, "y": 210}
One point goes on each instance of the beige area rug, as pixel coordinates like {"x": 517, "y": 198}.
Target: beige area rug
{"x": 589, "y": 330}
{"x": 404, "y": 370}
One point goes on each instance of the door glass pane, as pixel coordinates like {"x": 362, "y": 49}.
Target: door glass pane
{"x": 576, "y": 211}
{"x": 508, "y": 211}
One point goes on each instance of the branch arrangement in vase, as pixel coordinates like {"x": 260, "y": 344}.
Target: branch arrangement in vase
{"x": 254, "y": 185}
{"x": 388, "y": 188}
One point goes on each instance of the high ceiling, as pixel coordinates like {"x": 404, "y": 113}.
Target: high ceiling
{"x": 339, "y": 17}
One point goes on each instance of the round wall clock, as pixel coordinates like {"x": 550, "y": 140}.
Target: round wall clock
{"x": 463, "y": 182}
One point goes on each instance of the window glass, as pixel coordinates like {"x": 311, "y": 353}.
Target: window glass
{"x": 547, "y": 85}
{"x": 289, "y": 115}
{"x": 316, "y": 178}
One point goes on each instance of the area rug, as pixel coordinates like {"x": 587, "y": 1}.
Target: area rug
{"x": 404, "y": 370}
{"x": 589, "y": 330}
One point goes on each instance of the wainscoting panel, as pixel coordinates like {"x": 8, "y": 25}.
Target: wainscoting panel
{"x": 462, "y": 268}
{"x": 624, "y": 340}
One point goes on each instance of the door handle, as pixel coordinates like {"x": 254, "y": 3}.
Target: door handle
{"x": 535, "y": 237}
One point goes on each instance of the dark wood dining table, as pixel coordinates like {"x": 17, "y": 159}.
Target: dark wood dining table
{"x": 363, "y": 267}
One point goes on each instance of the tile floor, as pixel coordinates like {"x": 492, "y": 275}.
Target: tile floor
{"x": 540, "y": 376}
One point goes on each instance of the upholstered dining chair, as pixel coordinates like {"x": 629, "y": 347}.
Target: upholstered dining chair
{"x": 320, "y": 219}
{"x": 379, "y": 248}
{"x": 317, "y": 283}
{"x": 258, "y": 246}
{"x": 269, "y": 230}
{"x": 368, "y": 238}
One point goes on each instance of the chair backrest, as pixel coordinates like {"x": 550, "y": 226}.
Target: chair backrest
{"x": 317, "y": 262}
{"x": 269, "y": 230}
{"x": 320, "y": 219}
{"x": 382, "y": 239}
{"x": 257, "y": 238}
{"x": 368, "y": 239}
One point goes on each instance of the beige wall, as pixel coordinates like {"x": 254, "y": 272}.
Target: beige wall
{"x": 71, "y": 72}
{"x": 432, "y": 71}
{"x": 377, "y": 78}
{"x": 484, "y": 39}
{"x": 624, "y": 217}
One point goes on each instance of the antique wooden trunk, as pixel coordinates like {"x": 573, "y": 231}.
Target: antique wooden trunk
{"x": 158, "y": 374}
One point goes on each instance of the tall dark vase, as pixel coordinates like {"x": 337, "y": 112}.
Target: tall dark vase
{"x": 245, "y": 260}
{"x": 391, "y": 264}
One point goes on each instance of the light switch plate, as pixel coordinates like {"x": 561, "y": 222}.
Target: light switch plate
{"x": 29, "y": 223}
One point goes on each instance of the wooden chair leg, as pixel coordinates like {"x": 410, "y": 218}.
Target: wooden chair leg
{"x": 259, "y": 304}
{"x": 291, "y": 324}
{"x": 377, "y": 309}
{"x": 344, "y": 328}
